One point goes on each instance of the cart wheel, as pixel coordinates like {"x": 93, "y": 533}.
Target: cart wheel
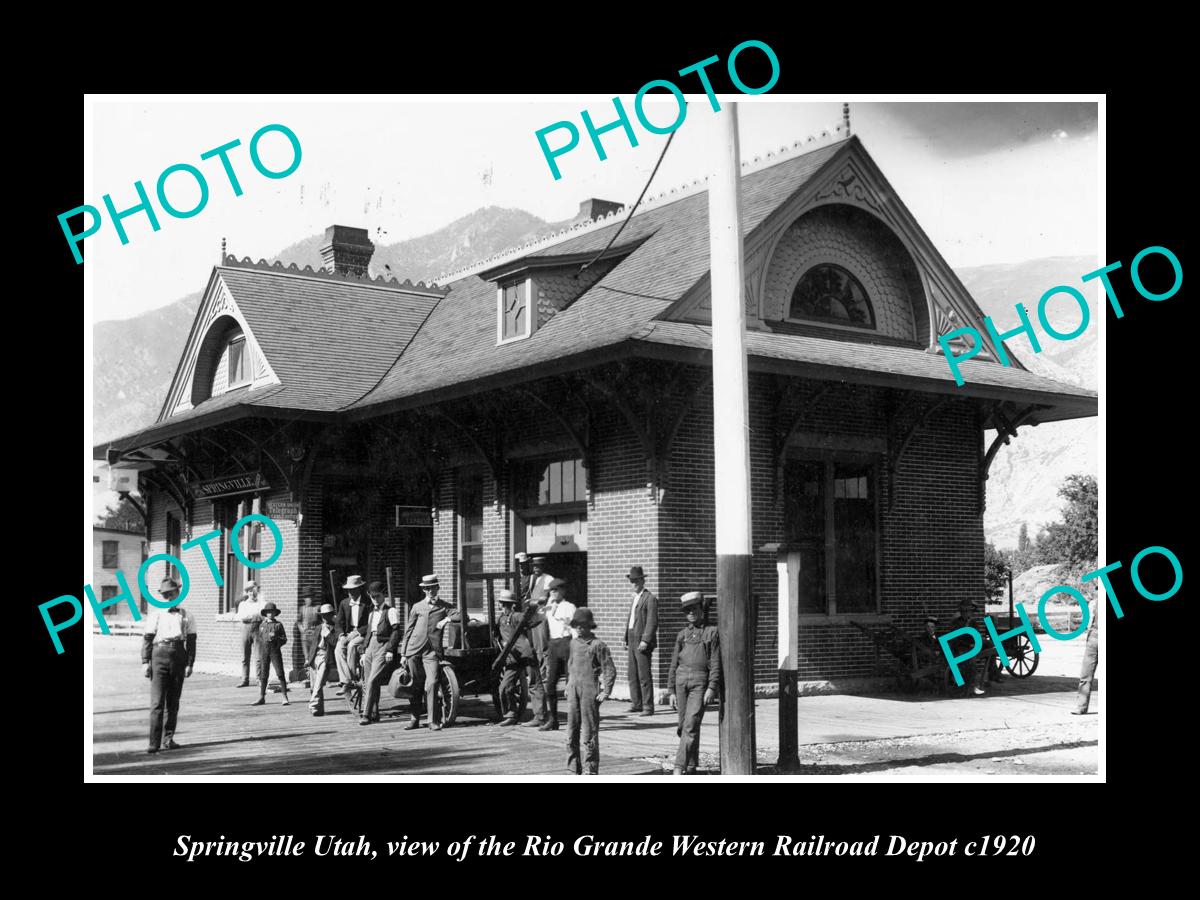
{"x": 448, "y": 694}
{"x": 1022, "y": 662}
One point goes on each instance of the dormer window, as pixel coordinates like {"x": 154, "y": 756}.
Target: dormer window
{"x": 514, "y": 311}
{"x": 238, "y": 374}
{"x": 828, "y": 293}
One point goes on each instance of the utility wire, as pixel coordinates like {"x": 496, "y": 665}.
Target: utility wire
{"x": 583, "y": 268}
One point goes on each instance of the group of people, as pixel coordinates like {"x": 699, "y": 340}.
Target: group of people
{"x": 540, "y": 632}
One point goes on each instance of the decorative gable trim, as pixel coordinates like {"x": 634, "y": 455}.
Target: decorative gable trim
{"x": 218, "y": 303}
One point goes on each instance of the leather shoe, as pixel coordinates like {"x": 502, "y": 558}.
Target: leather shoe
{"x": 1079, "y": 712}
{"x": 548, "y": 726}
{"x": 412, "y": 725}
{"x": 259, "y": 702}
{"x": 244, "y": 684}
{"x": 171, "y": 745}
{"x": 317, "y": 713}
{"x": 436, "y": 726}
{"x": 339, "y": 692}
{"x": 634, "y": 709}
{"x": 151, "y": 749}
{"x": 533, "y": 723}
{"x": 366, "y": 721}
{"x": 646, "y": 712}
{"x": 286, "y": 701}
{"x": 508, "y": 720}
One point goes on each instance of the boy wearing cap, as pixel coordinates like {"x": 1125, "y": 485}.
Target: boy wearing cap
{"x": 590, "y": 679}
{"x": 168, "y": 654}
{"x": 271, "y": 638}
{"x": 321, "y": 650}
{"x": 694, "y": 679}
{"x": 559, "y": 611}
{"x": 520, "y": 655}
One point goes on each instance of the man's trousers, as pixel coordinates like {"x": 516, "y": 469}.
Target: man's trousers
{"x": 557, "y": 657}
{"x": 376, "y": 672}
{"x": 641, "y": 681}
{"x": 583, "y": 727}
{"x": 168, "y": 668}
{"x": 537, "y": 689}
{"x": 317, "y": 676}
{"x": 1091, "y": 656}
{"x": 346, "y": 653}
{"x": 690, "y": 686}
{"x": 249, "y": 643}
{"x": 425, "y": 671}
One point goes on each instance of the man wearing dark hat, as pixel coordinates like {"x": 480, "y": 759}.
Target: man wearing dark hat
{"x": 641, "y": 637}
{"x": 168, "y": 654}
{"x": 928, "y": 647}
{"x": 271, "y": 638}
{"x": 249, "y": 612}
{"x": 352, "y": 628}
{"x": 539, "y": 580}
{"x": 694, "y": 679}
{"x": 320, "y": 658}
{"x": 421, "y": 651}
{"x": 520, "y": 656}
{"x": 383, "y": 628}
{"x": 559, "y": 611}
{"x": 590, "y": 681}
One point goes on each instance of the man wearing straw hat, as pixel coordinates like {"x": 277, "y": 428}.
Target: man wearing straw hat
{"x": 421, "y": 651}
{"x": 352, "y": 628}
{"x": 168, "y": 653}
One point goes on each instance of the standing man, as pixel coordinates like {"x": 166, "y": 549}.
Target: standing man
{"x": 320, "y": 657}
{"x": 559, "y": 611}
{"x": 309, "y": 624}
{"x": 978, "y": 665}
{"x": 520, "y": 656}
{"x": 1091, "y": 656}
{"x": 694, "y": 680}
{"x": 271, "y": 638}
{"x": 383, "y": 628}
{"x": 641, "y": 637}
{"x": 524, "y": 578}
{"x": 352, "y": 629}
{"x": 249, "y": 611}
{"x": 539, "y": 640}
{"x": 168, "y": 654}
{"x": 422, "y": 653}
{"x": 539, "y": 581}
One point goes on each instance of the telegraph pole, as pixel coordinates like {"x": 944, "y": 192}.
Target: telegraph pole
{"x": 731, "y": 439}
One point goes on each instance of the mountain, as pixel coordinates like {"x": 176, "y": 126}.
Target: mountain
{"x": 1024, "y": 478}
{"x": 135, "y": 358}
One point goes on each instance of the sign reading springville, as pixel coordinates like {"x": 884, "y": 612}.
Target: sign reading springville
{"x": 242, "y": 483}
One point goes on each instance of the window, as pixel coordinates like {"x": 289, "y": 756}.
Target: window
{"x": 107, "y": 592}
{"x": 236, "y": 573}
{"x": 237, "y": 363}
{"x": 551, "y": 483}
{"x": 173, "y": 543}
{"x": 111, "y": 553}
{"x": 470, "y": 511}
{"x": 514, "y": 311}
{"x": 828, "y": 293}
{"x": 830, "y": 514}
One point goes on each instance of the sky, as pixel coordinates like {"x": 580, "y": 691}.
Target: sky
{"x": 989, "y": 182}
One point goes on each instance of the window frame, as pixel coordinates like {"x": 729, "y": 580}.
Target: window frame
{"x": 464, "y": 475}
{"x": 823, "y": 322}
{"x": 244, "y": 358}
{"x": 234, "y": 572}
{"x": 829, "y": 460}
{"x": 541, "y": 464}
{"x": 105, "y": 561}
{"x": 530, "y": 310}
{"x": 174, "y": 547}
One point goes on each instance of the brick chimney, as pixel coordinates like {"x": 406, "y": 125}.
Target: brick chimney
{"x": 594, "y": 208}
{"x": 347, "y": 251}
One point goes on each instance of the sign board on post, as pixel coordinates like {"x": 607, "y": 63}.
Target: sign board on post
{"x": 413, "y": 517}
{"x": 124, "y": 480}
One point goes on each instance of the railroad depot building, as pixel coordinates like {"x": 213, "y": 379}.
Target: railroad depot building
{"x": 557, "y": 399}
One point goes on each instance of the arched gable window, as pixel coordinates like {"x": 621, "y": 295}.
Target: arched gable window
{"x": 224, "y": 361}
{"x": 828, "y": 293}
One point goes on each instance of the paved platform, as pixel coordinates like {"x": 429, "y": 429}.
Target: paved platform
{"x": 839, "y": 734}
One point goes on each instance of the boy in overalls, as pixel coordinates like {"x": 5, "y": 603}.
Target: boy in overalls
{"x": 271, "y": 638}
{"x": 694, "y": 679}
{"x": 590, "y": 678}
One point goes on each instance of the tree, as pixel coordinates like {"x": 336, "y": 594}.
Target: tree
{"x": 1075, "y": 540}
{"x": 124, "y": 517}
{"x": 995, "y": 571}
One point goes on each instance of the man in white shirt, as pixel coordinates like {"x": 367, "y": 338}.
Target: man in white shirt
{"x": 559, "y": 611}
{"x": 250, "y": 612}
{"x": 168, "y": 654}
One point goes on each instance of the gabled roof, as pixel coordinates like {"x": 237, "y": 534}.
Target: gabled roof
{"x": 360, "y": 347}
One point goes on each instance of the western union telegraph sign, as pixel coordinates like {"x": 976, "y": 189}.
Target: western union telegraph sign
{"x": 242, "y": 483}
